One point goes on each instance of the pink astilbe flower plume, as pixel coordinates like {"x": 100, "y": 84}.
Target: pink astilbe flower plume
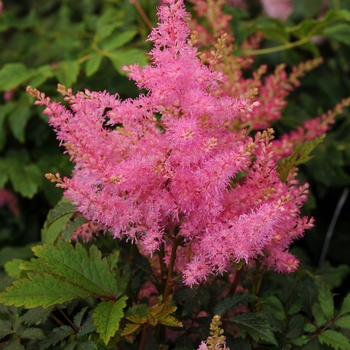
{"x": 167, "y": 166}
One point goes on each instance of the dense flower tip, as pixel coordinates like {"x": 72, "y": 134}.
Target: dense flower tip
{"x": 171, "y": 164}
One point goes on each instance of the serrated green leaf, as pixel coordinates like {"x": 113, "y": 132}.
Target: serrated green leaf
{"x": 57, "y": 335}
{"x": 334, "y": 339}
{"x": 13, "y": 344}
{"x": 300, "y": 155}
{"x": 318, "y": 314}
{"x": 130, "y": 328}
{"x": 14, "y": 74}
{"x": 87, "y": 327}
{"x": 308, "y": 292}
{"x": 5, "y": 328}
{"x": 230, "y": 303}
{"x": 309, "y": 328}
{"x": 18, "y": 119}
{"x": 79, "y": 316}
{"x": 170, "y": 321}
{"x": 295, "y": 326}
{"x": 274, "y": 306}
{"x": 253, "y": 325}
{"x": 93, "y": 64}
{"x": 33, "y": 333}
{"x": 300, "y": 341}
{"x": 345, "y": 308}
{"x": 118, "y": 40}
{"x": 127, "y": 57}
{"x": 107, "y": 316}
{"x": 41, "y": 290}
{"x": 160, "y": 311}
{"x": 86, "y": 345}
{"x": 339, "y": 32}
{"x": 12, "y": 267}
{"x": 343, "y": 322}
{"x": 36, "y": 316}
{"x": 67, "y": 72}
{"x": 137, "y": 318}
{"x": 325, "y": 298}
{"x": 89, "y": 271}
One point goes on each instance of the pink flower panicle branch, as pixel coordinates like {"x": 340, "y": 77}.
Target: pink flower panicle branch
{"x": 169, "y": 165}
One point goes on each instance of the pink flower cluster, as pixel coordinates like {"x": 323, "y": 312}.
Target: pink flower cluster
{"x": 167, "y": 165}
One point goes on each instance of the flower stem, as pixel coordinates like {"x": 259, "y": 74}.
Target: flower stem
{"x": 286, "y": 46}
{"x": 235, "y": 282}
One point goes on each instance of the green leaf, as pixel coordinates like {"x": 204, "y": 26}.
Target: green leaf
{"x": 118, "y": 40}
{"x": 57, "y": 335}
{"x": 9, "y": 253}
{"x": 12, "y": 267}
{"x": 318, "y": 314}
{"x": 4, "y": 111}
{"x": 42, "y": 74}
{"x": 160, "y": 313}
{"x": 13, "y": 344}
{"x": 300, "y": 155}
{"x": 79, "y": 316}
{"x": 107, "y": 316}
{"x": 334, "y": 339}
{"x": 14, "y": 74}
{"x": 86, "y": 345}
{"x": 33, "y": 333}
{"x": 18, "y": 119}
{"x": 87, "y": 327}
{"x": 308, "y": 292}
{"x": 50, "y": 233}
{"x": 26, "y": 178}
{"x": 71, "y": 227}
{"x": 309, "y": 328}
{"x": 325, "y": 298}
{"x": 67, "y": 72}
{"x": 345, "y": 308}
{"x": 295, "y": 326}
{"x": 41, "y": 290}
{"x": 57, "y": 220}
{"x": 252, "y": 324}
{"x": 93, "y": 64}
{"x": 36, "y": 316}
{"x": 230, "y": 303}
{"x": 130, "y": 328}
{"x": 5, "y": 328}
{"x": 89, "y": 271}
{"x": 339, "y": 32}
{"x": 127, "y": 57}
{"x": 300, "y": 341}
{"x": 274, "y": 306}
{"x": 343, "y": 322}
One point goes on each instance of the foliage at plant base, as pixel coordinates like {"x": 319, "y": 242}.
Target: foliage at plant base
{"x": 85, "y": 289}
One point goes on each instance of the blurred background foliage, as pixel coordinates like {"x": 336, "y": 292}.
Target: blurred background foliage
{"x": 82, "y": 44}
